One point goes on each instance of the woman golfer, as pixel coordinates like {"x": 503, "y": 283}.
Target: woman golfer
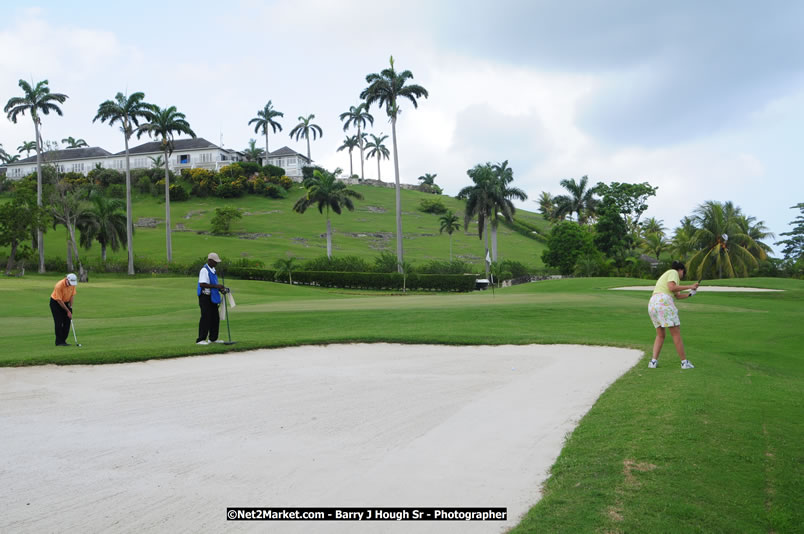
{"x": 663, "y": 312}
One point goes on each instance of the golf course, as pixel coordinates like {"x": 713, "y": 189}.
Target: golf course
{"x": 715, "y": 449}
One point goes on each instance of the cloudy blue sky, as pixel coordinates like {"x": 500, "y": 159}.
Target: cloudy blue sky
{"x": 703, "y": 99}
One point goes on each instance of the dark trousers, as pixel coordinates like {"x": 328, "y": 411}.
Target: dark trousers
{"x": 210, "y": 319}
{"x": 61, "y": 322}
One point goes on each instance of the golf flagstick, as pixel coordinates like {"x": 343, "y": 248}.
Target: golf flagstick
{"x": 226, "y": 312}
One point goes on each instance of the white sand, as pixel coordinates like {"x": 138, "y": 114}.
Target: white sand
{"x": 166, "y": 446}
{"x": 716, "y": 289}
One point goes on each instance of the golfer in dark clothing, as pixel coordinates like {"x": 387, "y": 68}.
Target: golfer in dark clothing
{"x": 209, "y": 298}
{"x": 61, "y": 306}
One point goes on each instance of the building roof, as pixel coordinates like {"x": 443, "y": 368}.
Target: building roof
{"x": 285, "y": 151}
{"x": 155, "y": 147}
{"x": 67, "y": 154}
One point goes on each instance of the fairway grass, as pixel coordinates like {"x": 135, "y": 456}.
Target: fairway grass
{"x": 714, "y": 449}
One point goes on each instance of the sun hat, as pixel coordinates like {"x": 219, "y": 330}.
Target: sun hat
{"x": 214, "y": 257}
{"x": 72, "y": 279}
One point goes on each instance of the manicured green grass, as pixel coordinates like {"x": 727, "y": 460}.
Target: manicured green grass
{"x": 714, "y": 449}
{"x": 270, "y": 230}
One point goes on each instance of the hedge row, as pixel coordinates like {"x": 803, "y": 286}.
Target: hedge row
{"x": 391, "y": 281}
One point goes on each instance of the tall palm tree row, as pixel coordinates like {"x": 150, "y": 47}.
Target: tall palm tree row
{"x": 305, "y": 129}
{"x": 163, "y": 125}
{"x": 385, "y": 89}
{"x": 264, "y": 120}
{"x": 378, "y": 149}
{"x": 128, "y": 111}
{"x": 358, "y": 116}
{"x": 325, "y": 191}
{"x": 502, "y": 198}
{"x": 37, "y": 101}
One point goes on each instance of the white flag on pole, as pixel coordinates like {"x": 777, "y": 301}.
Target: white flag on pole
{"x": 488, "y": 257}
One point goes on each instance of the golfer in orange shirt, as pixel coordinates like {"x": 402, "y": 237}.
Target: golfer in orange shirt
{"x": 61, "y": 306}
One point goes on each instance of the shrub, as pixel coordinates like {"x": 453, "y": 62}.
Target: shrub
{"x": 144, "y": 185}
{"x": 178, "y": 193}
{"x": 106, "y": 177}
{"x": 432, "y": 205}
{"x": 385, "y": 263}
{"x": 342, "y": 263}
{"x": 273, "y": 191}
{"x": 445, "y": 267}
{"x": 273, "y": 170}
{"x": 222, "y": 220}
{"x": 249, "y": 167}
{"x": 516, "y": 268}
{"x": 116, "y": 191}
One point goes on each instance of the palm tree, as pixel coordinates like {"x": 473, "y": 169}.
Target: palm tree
{"x": 358, "y": 116}
{"x": 378, "y": 150}
{"x": 502, "y": 204}
{"x": 27, "y": 147}
{"x": 652, "y": 226}
{"x": 683, "y": 241}
{"x": 72, "y": 142}
{"x": 158, "y": 162}
{"x": 253, "y": 153}
{"x": 428, "y": 178}
{"x": 104, "y": 223}
{"x": 547, "y": 206}
{"x": 723, "y": 246}
{"x": 36, "y": 100}
{"x": 164, "y": 123}
{"x": 350, "y": 143}
{"x": 385, "y": 89}
{"x": 3, "y": 155}
{"x": 449, "y": 223}
{"x": 580, "y": 200}
{"x": 283, "y": 266}
{"x": 655, "y": 244}
{"x": 480, "y": 202}
{"x": 265, "y": 119}
{"x": 304, "y": 129}
{"x": 326, "y": 191}
{"x": 128, "y": 111}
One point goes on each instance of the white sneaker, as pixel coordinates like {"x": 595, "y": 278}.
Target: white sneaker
{"x": 202, "y": 342}
{"x": 686, "y": 364}
{"x": 652, "y": 364}
{"x": 218, "y": 341}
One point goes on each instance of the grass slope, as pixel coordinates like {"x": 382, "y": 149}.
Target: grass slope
{"x": 270, "y": 229}
{"x": 715, "y": 449}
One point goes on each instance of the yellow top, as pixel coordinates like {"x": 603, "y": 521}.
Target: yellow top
{"x": 663, "y": 283}
{"x": 63, "y": 291}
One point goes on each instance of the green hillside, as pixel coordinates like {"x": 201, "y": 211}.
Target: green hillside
{"x": 270, "y": 229}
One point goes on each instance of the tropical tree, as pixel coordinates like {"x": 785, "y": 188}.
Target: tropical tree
{"x": 794, "y": 245}
{"x": 428, "y": 178}
{"x": 449, "y": 223}
{"x": 683, "y": 242}
{"x": 284, "y": 266}
{"x": 480, "y": 202}
{"x": 326, "y": 191}
{"x": 651, "y": 225}
{"x": 264, "y": 120}
{"x": 502, "y": 200}
{"x": 722, "y": 244}
{"x": 358, "y": 116}
{"x": 27, "y": 147}
{"x": 350, "y": 143}
{"x": 158, "y": 162}
{"x": 105, "y": 222}
{"x": 19, "y": 218}
{"x": 655, "y": 243}
{"x": 547, "y": 206}
{"x": 581, "y": 200}
{"x": 67, "y": 209}
{"x": 37, "y": 101}
{"x": 3, "y": 155}
{"x": 386, "y": 89}
{"x": 163, "y": 125}
{"x": 305, "y": 129}
{"x": 72, "y": 142}
{"x": 253, "y": 153}
{"x": 378, "y": 150}
{"x": 128, "y": 111}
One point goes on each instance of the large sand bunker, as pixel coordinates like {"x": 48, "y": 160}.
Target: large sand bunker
{"x": 167, "y": 446}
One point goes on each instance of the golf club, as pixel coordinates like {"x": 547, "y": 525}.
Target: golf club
{"x": 226, "y": 310}
{"x": 75, "y": 338}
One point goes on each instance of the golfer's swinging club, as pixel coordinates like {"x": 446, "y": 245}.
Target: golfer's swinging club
{"x": 75, "y": 338}
{"x": 226, "y": 311}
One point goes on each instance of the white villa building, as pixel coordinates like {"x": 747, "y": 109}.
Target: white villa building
{"x": 187, "y": 154}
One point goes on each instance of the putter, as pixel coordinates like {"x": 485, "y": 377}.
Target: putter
{"x": 226, "y": 310}
{"x": 75, "y": 338}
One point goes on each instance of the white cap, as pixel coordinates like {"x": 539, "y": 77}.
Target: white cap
{"x": 72, "y": 279}
{"x": 214, "y": 257}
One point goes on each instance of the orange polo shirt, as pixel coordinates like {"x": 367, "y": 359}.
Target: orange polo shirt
{"x": 63, "y": 291}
